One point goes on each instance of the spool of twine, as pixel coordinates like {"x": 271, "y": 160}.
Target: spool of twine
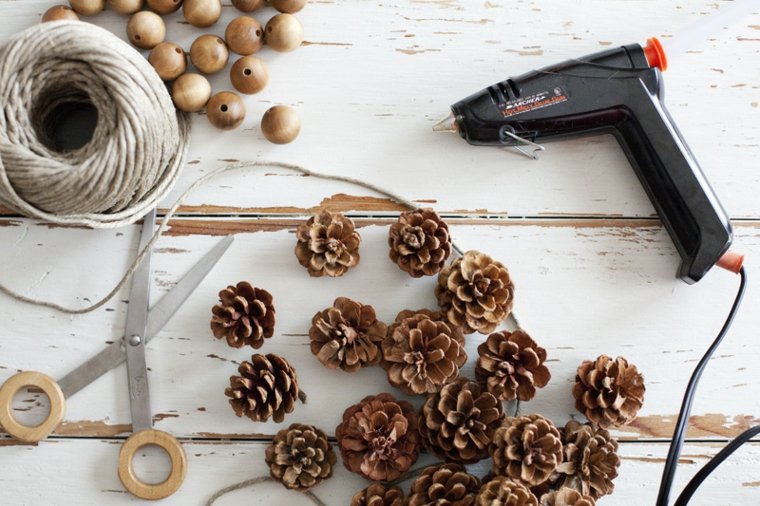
{"x": 138, "y": 143}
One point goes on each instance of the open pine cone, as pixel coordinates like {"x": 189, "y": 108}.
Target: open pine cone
{"x": 300, "y": 457}
{"x": 378, "y": 437}
{"x": 266, "y": 388}
{"x": 591, "y": 460}
{"x": 379, "y": 494}
{"x": 244, "y": 316}
{"x": 475, "y": 292}
{"x": 502, "y": 491}
{"x": 420, "y": 242}
{"x": 347, "y": 335}
{"x": 408, "y": 313}
{"x": 608, "y": 392}
{"x": 527, "y": 448}
{"x": 566, "y": 497}
{"x": 328, "y": 244}
{"x": 511, "y": 365}
{"x": 444, "y": 485}
{"x": 458, "y": 423}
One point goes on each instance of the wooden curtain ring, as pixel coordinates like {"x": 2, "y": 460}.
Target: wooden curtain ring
{"x": 167, "y": 443}
{"x": 57, "y": 406}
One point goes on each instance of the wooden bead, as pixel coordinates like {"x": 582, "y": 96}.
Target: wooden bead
{"x": 226, "y": 110}
{"x": 126, "y": 6}
{"x": 88, "y": 7}
{"x": 284, "y": 33}
{"x": 249, "y": 75}
{"x": 244, "y": 35}
{"x": 146, "y": 29}
{"x": 58, "y": 13}
{"x": 248, "y": 5}
{"x": 191, "y": 92}
{"x": 289, "y": 6}
{"x": 164, "y": 6}
{"x": 209, "y": 54}
{"x": 202, "y": 13}
{"x": 281, "y": 124}
{"x": 169, "y": 60}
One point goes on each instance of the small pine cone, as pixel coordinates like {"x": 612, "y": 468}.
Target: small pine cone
{"x": 347, "y": 335}
{"x": 591, "y": 460}
{"x": 511, "y": 366}
{"x": 444, "y": 485}
{"x": 527, "y": 448}
{"x": 458, "y": 423}
{"x": 378, "y": 437}
{"x": 300, "y": 457}
{"x": 505, "y": 492}
{"x": 244, "y": 316}
{"x": 566, "y": 497}
{"x": 475, "y": 292}
{"x": 379, "y": 494}
{"x": 608, "y": 392}
{"x": 328, "y": 244}
{"x": 420, "y": 242}
{"x": 266, "y": 388}
{"x": 421, "y": 354}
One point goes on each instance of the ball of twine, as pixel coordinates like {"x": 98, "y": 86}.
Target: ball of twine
{"x": 137, "y": 147}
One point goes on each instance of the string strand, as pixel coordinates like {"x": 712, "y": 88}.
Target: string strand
{"x": 252, "y": 483}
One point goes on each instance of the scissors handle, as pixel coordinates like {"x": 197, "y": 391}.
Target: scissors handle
{"x": 166, "y": 442}
{"x": 57, "y": 406}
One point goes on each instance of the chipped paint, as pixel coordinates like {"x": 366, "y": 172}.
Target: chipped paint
{"x": 700, "y": 426}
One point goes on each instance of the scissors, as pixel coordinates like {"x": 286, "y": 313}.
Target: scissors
{"x": 142, "y": 324}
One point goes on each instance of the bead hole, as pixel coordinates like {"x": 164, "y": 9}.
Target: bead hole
{"x": 224, "y": 108}
{"x": 269, "y": 29}
{"x": 248, "y": 72}
{"x": 258, "y": 33}
{"x": 178, "y": 50}
{"x": 153, "y": 466}
{"x": 137, "y": 36}
{"x": 30, "y": 406}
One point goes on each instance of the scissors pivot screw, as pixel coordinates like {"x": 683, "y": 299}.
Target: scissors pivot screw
{"x": 135, "y": 340}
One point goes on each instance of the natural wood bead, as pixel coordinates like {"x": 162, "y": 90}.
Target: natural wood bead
{"x": 289, "y": 6}
{"x": 59, "y": 12}
{"x": 88, "y": 7}
{"x": 284, "y": 33}
{"x": 281, "y": 124}
{"x": 126, "y": 6}
{"x": 191, "y": 92}
{"x": 146, "y": 29}
{"x": 248, "y": 5}
{"x": 209, "y": 54}
{"x": 164, "y": 6}
{"x": 244, "y": 35}
{"x": 226, "y": 110}
{"x": 169, "y": 60}
{"x": 202, "y": 13}
{"x": 249, "y": 75}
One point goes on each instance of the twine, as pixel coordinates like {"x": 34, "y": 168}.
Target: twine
{"x": 253, "y": 482}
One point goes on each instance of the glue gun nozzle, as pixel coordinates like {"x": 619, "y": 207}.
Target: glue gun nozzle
{"x": 447, "y": 124}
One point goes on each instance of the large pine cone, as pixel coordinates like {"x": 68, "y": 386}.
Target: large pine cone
{"x": 444, "y": 485}
{"x": 511, "y": 365}
{"x": 504, "y": 492}
{"x": 244, "y": 316}
{"x": 266, "y": 388}
{"x": 591, "y": 460}
{"x": 422, "y": 354}
{"x": 347, "y": 335}
{"x": 566, "y": 497}
{"x": 379, "y": 438}
{"x": 609, "y": 392}
{"x": 420, "y": 242}
{"x": 379, "y": 494}
{"x": 300, "y": 457}
{"x": 328, "y": 244}
{"x": 475, "y": 292}
{"x": 527, "y": 448}
{"x": 458, "y": 423}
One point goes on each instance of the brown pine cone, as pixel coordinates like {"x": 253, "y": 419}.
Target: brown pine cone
{"x": 379, "y": 494}
{"x": 566, "y": 497}
{"x": 347, "y": 335}
{"x": 527, "y": 448}
{"x": 378, "y": 437}
{"x": 328, "y": 244}
{"x": 300, "y": 457}
{"x": 505, "y": 492}
{"x": 408, "y": 313}
{"x": 444, "y": 485}
{"x": 420, "y": 242}
{"x": 266, "y": 388}
{"x": 608, "y": 392}
{"x": 475, "y": 292}
{"x": 458, "y": 423}
{"x": 591, "y": 460}
{"x": 511, "y": 365}
{"x": 421, "y": 354}
{"x": 244, "y": 316}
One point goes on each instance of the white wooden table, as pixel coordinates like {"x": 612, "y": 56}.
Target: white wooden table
{"x": 593, "y": 267}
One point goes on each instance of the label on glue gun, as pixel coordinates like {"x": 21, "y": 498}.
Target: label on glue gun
{"x": 533, "y": 102}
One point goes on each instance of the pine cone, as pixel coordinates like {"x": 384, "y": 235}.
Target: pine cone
{"x": 458, "y": 423}
{"x": 511, "y": 366}
{"x": 266, "y": 388}
{"x": 609, "y": 392}
{"x": 379, "y": 494}
{"x": 347, "y": 335}
{"x": 328, "y": 244}
{"x": 505, "y": 492}
{"x": 244, "y": 316}
{"x": 527, "y": 448}
{"x": 420, "y": 242}
{"x": 444, "y": 485}
{"x": 421, "y": 354}
{"x": 379, "y": 438}
{"x": 566, "y": 497}
{"x": 300, "y": 457}
{"x": 475, "y": 292}
{"x": 408, "y": 313}
{"x": 591, "y": 460}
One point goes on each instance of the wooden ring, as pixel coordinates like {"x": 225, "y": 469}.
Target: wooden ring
{"x": 57, "y": 406}
{"x": 167, "y": 443}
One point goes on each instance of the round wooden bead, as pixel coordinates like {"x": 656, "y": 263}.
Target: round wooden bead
{"x": 209, "y": 54}
{"x": 191, "y": 92}
{"x": 88, "y": 7}
{"x": 146, "y": 29}
{"x": 169, "y": 60}
{"x": 281, "y": 124}
{"x": 226, "y": 110}
{"x": 244, "y": 35}
{"x": 284, "y": 33}
{"x": 289, "y": 6}
{"x": 59, "y": 12}
{"x": 164, "y": 6}
{"x": 248, "y": 5}
{"x": 126, "y": 6}
{"x": 202, "y": 13}
{"x": 249, "y": 75}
